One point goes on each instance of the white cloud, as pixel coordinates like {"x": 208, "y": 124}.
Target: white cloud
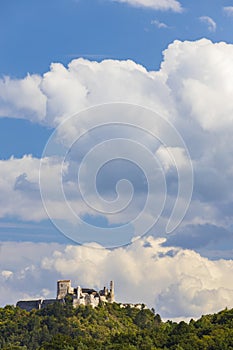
{"x": 198, "y": 78}
{"x": 228, "y": 10}
{"x": 19, "y": 185}
{"x": 210, "y": 23}
{"x": 176, "y": 282}
{"x": 20, "y": 189}
{"x": 83, "y": 84}
{"x": 162, "y": 5}
{"x": 169, "y": 154}
{"x": 25, "y": 97}
{"x": 159, "y": 24}
{"x": 6, "y": 274}
{"x": 23, "y": 270}
{"x": 192, "y": 89}
{"x": 202, "y": 84}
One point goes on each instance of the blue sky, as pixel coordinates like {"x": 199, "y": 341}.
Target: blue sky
{"x": 176, "y": 61}
{"x": 34, "y": 33}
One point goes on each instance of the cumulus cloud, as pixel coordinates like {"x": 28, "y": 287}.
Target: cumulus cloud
{"x": 211, "y": 24}
{"x": 23, "y": 277}
{"x": 191, "y": 72}
{"x": 20, "y": 188}
{"x": 25, "y": 97}
{"x": 21, "y": 196}
{"x": 176, "y": 282}
{"x": 83, "y": 84}
{"x": 192, "y": 90}
{"x": 200, "y": 85}
{"x": 162, "y": 5}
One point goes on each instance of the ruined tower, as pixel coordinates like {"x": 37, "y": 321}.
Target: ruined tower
{"x": 63, "y": 288}
{"x": 112, "y": 297}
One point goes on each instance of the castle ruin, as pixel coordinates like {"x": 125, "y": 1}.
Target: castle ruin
{"x": 85, "y": 296}
{"x": 80, "y": 296}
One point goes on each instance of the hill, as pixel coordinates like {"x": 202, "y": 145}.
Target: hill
{"x": 109, "y": 327}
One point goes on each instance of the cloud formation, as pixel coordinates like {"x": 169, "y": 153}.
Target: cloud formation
{"x": 22, "y": 98}
{"x": 192, "y": 90}
{"x": 176, "y": 282}
{"x": 211, "y": 24}
{"x": 64, "y": 91}
{"x": 162, "y": 5}
{"x": 19, "y": 187}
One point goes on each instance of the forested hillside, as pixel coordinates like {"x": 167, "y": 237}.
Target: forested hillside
{"x": 61, "y": 327}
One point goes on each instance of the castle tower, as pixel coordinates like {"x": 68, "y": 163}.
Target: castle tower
{"x": 79, "y": 292}
{"x": 63, "y": 288}
{"x": 112, "y": 297}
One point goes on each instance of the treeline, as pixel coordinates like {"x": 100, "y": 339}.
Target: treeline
{"x": 108, "y": 327}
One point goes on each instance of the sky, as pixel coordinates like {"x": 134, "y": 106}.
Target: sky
{"x": 116, "y": 120}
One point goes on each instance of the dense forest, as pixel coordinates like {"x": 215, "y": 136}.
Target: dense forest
{"x": 61, "y": 327}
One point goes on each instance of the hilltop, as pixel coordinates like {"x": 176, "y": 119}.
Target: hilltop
{"x": 108, "y": 327}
